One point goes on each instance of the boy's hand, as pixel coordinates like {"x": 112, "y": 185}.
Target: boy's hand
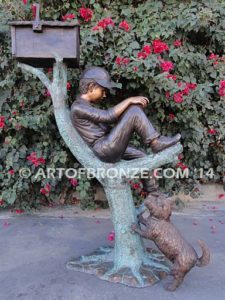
{"x": 139, "y": 100}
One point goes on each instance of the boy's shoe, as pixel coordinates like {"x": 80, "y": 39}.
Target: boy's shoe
{"x": 164, "y": 142}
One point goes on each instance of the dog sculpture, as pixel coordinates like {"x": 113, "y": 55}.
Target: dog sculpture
{"x": 170, "y": 241}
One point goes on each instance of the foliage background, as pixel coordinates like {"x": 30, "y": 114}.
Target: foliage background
{"x": 27, "y": 114}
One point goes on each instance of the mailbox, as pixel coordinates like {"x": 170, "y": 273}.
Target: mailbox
{"x": 36, "y": 42}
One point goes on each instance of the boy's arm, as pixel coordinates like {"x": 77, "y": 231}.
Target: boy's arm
{"x": 93, "y": 114}
{"x": 122, "y": 106}
{"x": 105, "y": 116}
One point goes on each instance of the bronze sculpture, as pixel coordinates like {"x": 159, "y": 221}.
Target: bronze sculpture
{"x": 169, "y": 240}
{"x": 110, "y": 145}
{"x": 129, "y": 262}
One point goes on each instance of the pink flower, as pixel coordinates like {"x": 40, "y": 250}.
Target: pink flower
{"x": 213, "y": 56}
{"x": 135, "y": 69}
{"x": 95, "y": 28}
{"x": 178, "y": 97}
{"x": 1, "y": 202}
{"x": 41, "y": 160}
{"x": 221, "y": 93}
{"x": 35, "y": 160}
{"x": 11, "y": 172}
{"x": 171, "y": 117}
{"x": 136, "y": 186}
{"x": 33, "y": 9}
{"x": 191, "y": 86}
{"x": 186, "y": 90}
{"x": 222, "y": 83}
{"x": 145, "y": 52}
{"x": 46, "y": 190}
{"x": 25, "y": 2}
{"x": 122, "y": 61}
{"x": 104, "y": 23}
{"x": 111, "y": 236}
{"x": 170, "y": 76}
{"x": 74, "y": 182}
{"x": 215, "y": 63}
{"x": 119, "y": 60}
{"x": 124, "y": 25}
{"x": 86, "y": 13}
{"x": 126, "y": 61}
{"x": 167, "y": 95}
{"x": 68, "y": 86}
{"x": 141, "y": 55}
{"x": 19, "y": 211}
{"x": 68, "y": 17}
{"x": 177, "y": 43}
{"x": 159, "y": 46}
{"x": 2, "y": 121}
{"x": 180, "y": 84}
{"x": 47, "y": 93}
{"x": 167, "y": 66}
{"x": 221, "y": 196}
{"x": 222, "y": 88}
{"x": 181, "y": 165}
{"x": 212, "y": 131}
{"x": 43, "y": 191}
{"x": 147, "y": 49}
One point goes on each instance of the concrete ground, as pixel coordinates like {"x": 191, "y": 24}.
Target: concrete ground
{"x": 35, "y": 248}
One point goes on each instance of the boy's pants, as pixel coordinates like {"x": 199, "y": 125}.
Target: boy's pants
{"x": 115, "y": 145}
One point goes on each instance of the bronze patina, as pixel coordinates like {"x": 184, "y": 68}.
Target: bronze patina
{"x": 169, "y": 240}
{"x": 111, "y": 144}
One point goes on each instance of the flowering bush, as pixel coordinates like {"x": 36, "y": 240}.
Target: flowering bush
{"x": 171, "y": 53}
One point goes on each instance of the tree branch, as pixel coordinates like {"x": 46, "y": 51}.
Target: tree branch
{"x": 38, "y": 73}
{"x": 150, "y": 162}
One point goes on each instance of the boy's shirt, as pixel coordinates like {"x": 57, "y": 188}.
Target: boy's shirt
{"x": 91, "y": 122}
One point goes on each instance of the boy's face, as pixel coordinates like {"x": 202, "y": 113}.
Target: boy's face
{"x": 97, "y": 93}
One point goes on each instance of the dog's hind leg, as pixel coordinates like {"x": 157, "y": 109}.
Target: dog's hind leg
{"x": 177, "y": 278}
{"x": 176, "y": 282}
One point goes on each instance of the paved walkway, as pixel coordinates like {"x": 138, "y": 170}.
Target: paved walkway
{"x": 34, "y": 251}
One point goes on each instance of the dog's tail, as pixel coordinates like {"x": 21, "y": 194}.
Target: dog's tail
{"x": 205, "y": 258}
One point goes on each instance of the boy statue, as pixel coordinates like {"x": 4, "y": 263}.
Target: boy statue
{"x": 112, "y": 144}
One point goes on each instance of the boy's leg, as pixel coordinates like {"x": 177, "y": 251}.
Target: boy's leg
{"x": 150, "y": 183}
{"x": 112, "y": 147}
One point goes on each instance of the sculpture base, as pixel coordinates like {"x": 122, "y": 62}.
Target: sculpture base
{"x": 100, "y": 263}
